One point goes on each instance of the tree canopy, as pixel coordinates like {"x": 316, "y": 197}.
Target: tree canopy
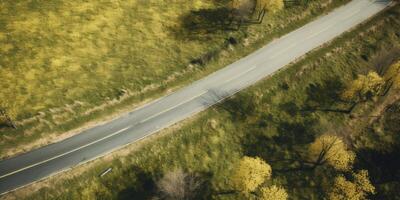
{"x": 357, "y": 189}
{"x": 364, "y": 87}
{"x": 332, "y": 150}
{"x": 249, "y": 174}
{"x": 273, "y": 193}
{"x": 393, "y": 74}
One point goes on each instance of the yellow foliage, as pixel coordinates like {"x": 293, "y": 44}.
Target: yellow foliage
{"x": 249, "y": 174}
{"x": 332, "y": 150}
{"x": 364, "y": 87}
{"x": 273, "y": 193}
{"x": 362, "y": 180}
{"x": 393, "y": 74}
{"x": 344, "y": 189}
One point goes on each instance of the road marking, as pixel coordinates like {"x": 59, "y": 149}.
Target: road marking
{"x": 63, "y": 154}
{"x": 283, "y": 51}
{"x": 312, "y": 35}
{"x": 295, "y": 44}
{"x": 352, "y": 14}
{"x": 162, "y": 112}
{"x": 123, "y": 130}
{"x": 241, "y": 74}
{"x": 108, "y": 136}
{"x": 204, "y": 92}
{"x": 319, "y": 32}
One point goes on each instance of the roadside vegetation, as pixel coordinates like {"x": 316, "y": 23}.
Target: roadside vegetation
{"x": 67, "y": 63}
{"x": 326, "y": 127}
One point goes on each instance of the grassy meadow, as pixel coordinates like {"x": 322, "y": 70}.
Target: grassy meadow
{"x": 64, "y": 64}
{"x": 266, "y": 120}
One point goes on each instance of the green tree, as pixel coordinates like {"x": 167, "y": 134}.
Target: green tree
{"x": 356, "y": 189}
{"x": 273, "y": 193}
{"x": 249, "y": 174}
{"x": 330, "y": 149}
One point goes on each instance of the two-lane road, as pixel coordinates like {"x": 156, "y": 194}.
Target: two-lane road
{"x": 43, "y": 162}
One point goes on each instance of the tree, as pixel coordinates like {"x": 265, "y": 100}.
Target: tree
{"x": 393, "y": 74}
{"x": 271, "y": 5}
{"x": 361, "y": 178}
{"x": 273, "y": 193}
{"x": 331, "y": 150}
{"x": 8, "y": 112}
{"x": 249, "y": 174}
{"x": 357, "y": 189}
{"x": 364, "y": 87}
{"x": 179, "y": 185}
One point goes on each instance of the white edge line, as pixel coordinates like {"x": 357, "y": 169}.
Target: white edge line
{"x": 116, "y": 133}
{"x": 197, "y": 111}
{"x": 63, "y": 154}
{"x": 173, "y": 107}
{"x": 123, "y": 146}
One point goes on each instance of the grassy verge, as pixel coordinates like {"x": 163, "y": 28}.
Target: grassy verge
{"x": 264, "y": 120}
{"x": 65, "y": 64}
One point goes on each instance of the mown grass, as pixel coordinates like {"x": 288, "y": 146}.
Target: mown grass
{"x": 66, "y": 63}
{"x": 264, "y": 120}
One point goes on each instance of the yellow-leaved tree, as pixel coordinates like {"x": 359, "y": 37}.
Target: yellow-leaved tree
{"x": 356, "y": 189}
{"x": 364, "y": 87}
{"x": 273, "y": 193}
{"x": 393, "y": 74}
{"x": 330, "y": 149}
{"x": 250, "y": 173}
{"x": 271, "y": 5}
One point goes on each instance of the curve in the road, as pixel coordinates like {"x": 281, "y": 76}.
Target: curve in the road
{"x": 90, "y": 144}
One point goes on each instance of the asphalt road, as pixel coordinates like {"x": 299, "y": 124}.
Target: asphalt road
{"x": 43, "y": 162}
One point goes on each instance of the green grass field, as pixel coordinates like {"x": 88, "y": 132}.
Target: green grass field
{"x": 264, "y": 120}
{"x": 66, "y": 63}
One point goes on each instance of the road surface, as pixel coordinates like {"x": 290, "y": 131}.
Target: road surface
{"x": 90, "y": 144}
